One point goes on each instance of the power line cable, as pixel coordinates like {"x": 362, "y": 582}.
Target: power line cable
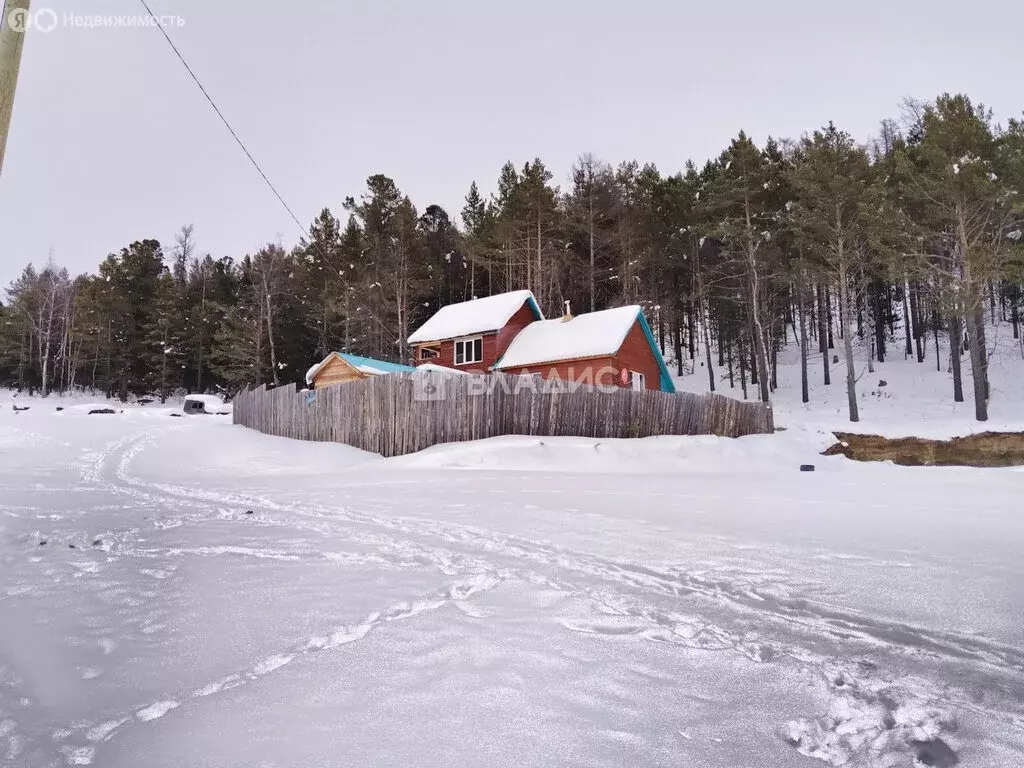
{"x": 223, "y": 119}
{"x": 330, "y": 263}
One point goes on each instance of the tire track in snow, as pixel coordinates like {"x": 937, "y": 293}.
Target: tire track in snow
{"x": 860, "y": 723}
{"x": 797, "y": 611}
{"x": 79, "y": 745}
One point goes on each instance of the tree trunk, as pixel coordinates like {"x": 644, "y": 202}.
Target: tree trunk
{"x": 270, "y": 342}
{"x": 661, "y": 332}
{"x": 828, "y": 311}
{"x": 846, "y": 313}
{"x": 906, "y": 322}
{"x": 823, "y": 334}
{"x": 879, "y": 321}
{"x": 805, "y": 394}
{"x": 732, "y": 376}
{"x": 742, "y": 354}
{"x": 822, "y": 319}
{"x": 707, "y": 349}
{"x": 691, "y": 330}
{"x": 677, "y": 347}
{"x": 979, "y": 362}
{"x": 916, "y": 320}
{"x": 955, "y": 347}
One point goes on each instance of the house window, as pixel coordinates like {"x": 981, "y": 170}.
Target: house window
{"x": 469, "y": 351}
{"x": 637, "y": 381}
{"x": 428, "y": 353}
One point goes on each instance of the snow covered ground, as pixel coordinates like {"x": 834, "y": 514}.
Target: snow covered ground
{"x": 183, "y": 592}
{"x": 917, "y": 399}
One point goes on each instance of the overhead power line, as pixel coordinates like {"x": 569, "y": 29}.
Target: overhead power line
{"x": 327, "y": 259}
{"x": 222, "y": 118}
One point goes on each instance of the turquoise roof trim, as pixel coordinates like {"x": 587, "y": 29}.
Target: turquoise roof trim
{"x": 536, "y": 310}
{"x": 666, "y": 384}
{"x": 380, "y": 365}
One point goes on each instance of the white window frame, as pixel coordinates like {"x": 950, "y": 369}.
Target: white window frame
{"x": 470, "y": 343}
{"x": 636, "y": 378}
{"x": 429, "y": 353}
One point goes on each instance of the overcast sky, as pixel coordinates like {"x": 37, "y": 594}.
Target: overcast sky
{"x": 112, "y": 142}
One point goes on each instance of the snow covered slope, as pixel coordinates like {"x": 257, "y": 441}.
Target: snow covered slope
{"x": 182, "y": 592}
{"x": 916, "y": 399}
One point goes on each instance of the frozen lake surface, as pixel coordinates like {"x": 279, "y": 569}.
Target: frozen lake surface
{"x": 181, "y": 592}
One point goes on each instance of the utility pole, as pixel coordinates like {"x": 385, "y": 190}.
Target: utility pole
{"x": 13, "y": 26}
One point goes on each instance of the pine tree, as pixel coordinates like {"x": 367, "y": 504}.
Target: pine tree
{"x": 745, "y": 230}
{"x": 841, "y": 218}
{"x": 967, "y": 214}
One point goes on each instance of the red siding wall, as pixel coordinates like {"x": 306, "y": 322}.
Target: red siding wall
{"x": 516, "y": 323}
{"x": 494, "y": 344}
{"x": 636, "y": 354}
{"x": 595, "y": 370}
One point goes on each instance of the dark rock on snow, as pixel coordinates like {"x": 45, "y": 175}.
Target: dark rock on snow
{"x": 936, "y": 753}
{"x": 101, "y": 410}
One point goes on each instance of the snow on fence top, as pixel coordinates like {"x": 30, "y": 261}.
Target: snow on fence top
{"x": 476, "y": 316}
{"x": 595, "y": 334}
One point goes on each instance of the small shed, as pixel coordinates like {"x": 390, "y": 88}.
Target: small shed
{"x": 341, "y": 367}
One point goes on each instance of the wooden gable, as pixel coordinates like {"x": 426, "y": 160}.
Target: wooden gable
{"x": 336, "y": 371}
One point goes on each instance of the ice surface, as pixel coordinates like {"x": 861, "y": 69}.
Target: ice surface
{"x": 516, "y": 601}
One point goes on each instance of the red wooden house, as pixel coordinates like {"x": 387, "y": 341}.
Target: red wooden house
{"x": 473, "y": 335}
{"x": 508, "y": 333}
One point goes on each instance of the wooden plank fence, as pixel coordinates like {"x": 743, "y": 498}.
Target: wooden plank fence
{"x": 406, "y": 412}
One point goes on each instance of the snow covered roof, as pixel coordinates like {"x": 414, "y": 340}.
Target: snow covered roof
{"x": 363, "y": 364}
{"x": 595, "y": 334}
{"x": 435, "y": 368}
{"x": 476, "y": 316}
{"x": 315, "y": 369}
